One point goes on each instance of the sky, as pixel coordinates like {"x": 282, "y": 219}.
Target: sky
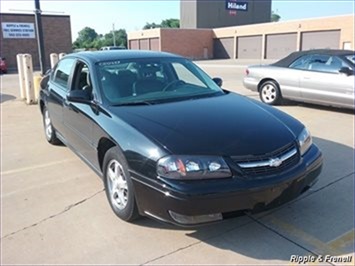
{"x": 133, "y": 15}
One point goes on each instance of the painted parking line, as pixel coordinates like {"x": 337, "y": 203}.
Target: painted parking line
{"x": 317, "y": 245}
{"x": 343, "y": 241}
{"x": 34, "y": 167}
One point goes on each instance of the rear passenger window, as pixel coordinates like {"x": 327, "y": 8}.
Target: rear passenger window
{"x": 62, "y": 72}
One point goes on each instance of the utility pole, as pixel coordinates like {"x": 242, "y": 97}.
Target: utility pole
{"x": 40, "y": 41}
{"x": 113, "y": 34}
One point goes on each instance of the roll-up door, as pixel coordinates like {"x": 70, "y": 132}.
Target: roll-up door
{"x": 144, "y": 44}
{"x": 320, "y": 40}
{"x": 223, "y": 48}
{"x": 249, "y": 47}
{"x": 280, "y": 45}
{"x": 154, "y": 44}
{"x": 134, "y": 44}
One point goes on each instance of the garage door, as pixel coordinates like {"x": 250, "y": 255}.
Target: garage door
{"x": 144, "y": 44}
{"x": 320, "y": 39}
{"x": 249, "y": 47}
{"x": 154, "y": 44}
{"x": 134, "y": 44}
{"x": 223, "y": 48}
{"x": 280, "y": 45}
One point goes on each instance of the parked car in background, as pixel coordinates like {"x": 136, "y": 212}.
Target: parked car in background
{"x": 169, "y": 143}
{"x": 3, "y": 65}
{"x": 323, "y": 77}
{"x": 112, "y": 48}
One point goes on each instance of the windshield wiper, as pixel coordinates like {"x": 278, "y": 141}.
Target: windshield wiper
{"x": 136, "y": 103}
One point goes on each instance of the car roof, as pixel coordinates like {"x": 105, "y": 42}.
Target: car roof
{"x": 288, "y": 60}
{"x": 111, "y": 55}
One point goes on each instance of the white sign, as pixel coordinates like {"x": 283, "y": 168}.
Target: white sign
{"x": 13, "y": 30}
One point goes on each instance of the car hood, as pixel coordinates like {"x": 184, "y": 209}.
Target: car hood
{"x": 227, "y": 125}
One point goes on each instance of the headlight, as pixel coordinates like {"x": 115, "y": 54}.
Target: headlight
{"x": 305, "y": 141}
{"x": 192, "y": 167}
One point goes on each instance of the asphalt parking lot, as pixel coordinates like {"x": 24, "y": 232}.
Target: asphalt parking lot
{"x": 54, "y": 210}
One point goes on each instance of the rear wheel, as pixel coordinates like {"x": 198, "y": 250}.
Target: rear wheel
{"x": 118, "y": 185}
{"x": 270, "y": 93}
{"x": 49, "y": 130}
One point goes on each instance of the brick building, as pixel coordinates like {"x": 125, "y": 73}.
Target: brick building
{"x": 19, "y": 36}
{"x": 271, "y": 40}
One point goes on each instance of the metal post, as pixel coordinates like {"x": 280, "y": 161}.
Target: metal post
{"x": 113, "y": 34}
{"x": 40, "y": 41}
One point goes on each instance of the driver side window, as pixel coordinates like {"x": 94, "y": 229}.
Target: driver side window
{"x": 82, "y": 79}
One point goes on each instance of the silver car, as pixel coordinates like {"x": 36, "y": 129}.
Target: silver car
{"x": 323, "y": 77}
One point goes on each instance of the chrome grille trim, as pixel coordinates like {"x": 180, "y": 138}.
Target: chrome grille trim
{"x": 264, "y": 163}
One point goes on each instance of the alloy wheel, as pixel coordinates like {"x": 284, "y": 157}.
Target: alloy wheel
{"x": 117, "y": 184}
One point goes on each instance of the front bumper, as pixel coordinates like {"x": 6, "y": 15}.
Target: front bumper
{"x": 225, "y": 196}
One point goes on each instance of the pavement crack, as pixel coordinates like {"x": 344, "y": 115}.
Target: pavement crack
{"x": 66, "y": 209}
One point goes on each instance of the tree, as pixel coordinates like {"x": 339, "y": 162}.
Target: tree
{"x": 166, "y": 23}
{"x": 88, "y": 38}
{"x": 87, "y": 35}
{"x": 170, "y": 23}
{"x": 151, "y": 26}
{"x": 275, "y": 17}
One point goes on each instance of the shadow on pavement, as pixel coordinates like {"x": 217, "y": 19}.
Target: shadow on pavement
{"x": 6, "y": 97}
{"x": 320, "y": 221}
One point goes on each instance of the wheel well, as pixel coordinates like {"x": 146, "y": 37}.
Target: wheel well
{"x": 264, "y": 80}
{"x": 104, "y": 145}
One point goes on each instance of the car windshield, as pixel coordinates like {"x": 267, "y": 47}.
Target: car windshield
{"x": 351, "y": 58}
{"x": 156, "y": 80}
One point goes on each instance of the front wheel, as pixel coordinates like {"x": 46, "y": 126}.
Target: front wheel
{"x": 270, "y": 93}
{"x": 118, "y": 185}
{"x": 49, "y": 130}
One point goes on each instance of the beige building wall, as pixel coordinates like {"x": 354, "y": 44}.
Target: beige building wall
{"x": 343, "y": 23}
{"x": 192, "y": 43}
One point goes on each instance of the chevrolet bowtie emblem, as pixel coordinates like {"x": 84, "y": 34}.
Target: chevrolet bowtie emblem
{"x": 275, "y": 162}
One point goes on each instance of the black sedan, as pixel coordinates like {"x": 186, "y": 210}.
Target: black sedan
{"x": 169, "y": 143}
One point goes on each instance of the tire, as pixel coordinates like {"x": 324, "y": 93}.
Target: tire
{"x": 118, "y": 185}
{"x": 270, "y": 93}
{"x": 49, "y": 130}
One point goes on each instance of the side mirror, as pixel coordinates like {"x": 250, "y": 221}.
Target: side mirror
{"x": 218, "y": 81}
{"x": 79, "y": 96}
{"x": 347, "y": 71}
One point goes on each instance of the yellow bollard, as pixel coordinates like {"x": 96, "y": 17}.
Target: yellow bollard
{"x": 37, "y": 86}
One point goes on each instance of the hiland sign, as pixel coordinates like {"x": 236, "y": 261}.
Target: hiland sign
{"x": 236, "y": 6}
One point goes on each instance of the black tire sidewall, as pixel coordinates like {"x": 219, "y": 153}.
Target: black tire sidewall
{"x": 130, "y": 212}
{"x": 278, "y": 98}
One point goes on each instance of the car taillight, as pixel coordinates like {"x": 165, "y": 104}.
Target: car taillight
{"x": 247, "y": 72}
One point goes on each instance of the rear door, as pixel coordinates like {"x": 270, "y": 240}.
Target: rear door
{"x": 57, "y": 89}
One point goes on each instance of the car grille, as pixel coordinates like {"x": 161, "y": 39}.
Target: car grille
{"x": 268, "y": 164}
